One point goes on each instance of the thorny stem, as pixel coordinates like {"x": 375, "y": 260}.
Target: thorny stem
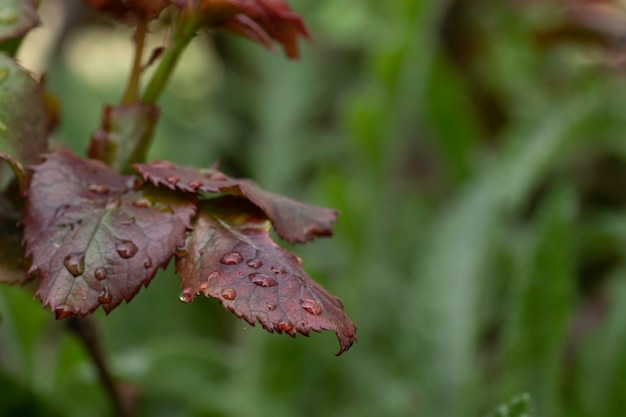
{"x": 185, "y": 30}
{"x": 86, "y": 331}
{"x": 131, "y": 94}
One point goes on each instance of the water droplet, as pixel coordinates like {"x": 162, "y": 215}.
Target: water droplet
{"x": 141, "y": 203}
{"x": 63, "y": 312}
{"x": 194, "y": 185}
{"x": 180, "y": 251}
{"x": 100, "y": 273}
{"x": 75, "y": 263}
{"x": 255, "y": 263}
{"x": 278, "y": 270}
{"x": 232, "y": 258}
{"x": 8, "y": 15}
{"x": 203, "y": 287}
{"x": 128, "y": 221}
{"x": 3, "y": 73}
{"x": 262, "y": 280}
{"x": 216, "y": 176}
{"x": 229, "y": 294}
{"x": 311, "y": 307}
{"x": 98, "y": 189}
{"x": 113, "y": 203}
{"x": 211, "y": 276}
{"x": 185, "y": 295}
{"x": 271, "y": 306}
{"x": 105, "y": 296}
{"x": 126, "y": 248}
{"x": 172, "y": 180}
{"x": 147, "y": 263}
{"x": 162, "y": 164}
{"x": 284, "y": 326}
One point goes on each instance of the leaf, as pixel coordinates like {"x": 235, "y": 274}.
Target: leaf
{"x": 93, "y": 238}
{"x": 24, "y": 121}
{"x": 231, "y": 256}
{"x": 259, "y": 20}
{"x": 518, "y": 406}
{"x": 128, "y": 11}
{"x": 294, "y": 221}
{"x": 124, "y": 135}
{"x": 17, "y": 17}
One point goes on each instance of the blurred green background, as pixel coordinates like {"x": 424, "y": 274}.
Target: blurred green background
{"x": 477, "y": 152}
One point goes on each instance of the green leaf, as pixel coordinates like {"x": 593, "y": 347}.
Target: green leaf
{"x": 541, "y": 305}
{"x": 24, "y": 121}
{"x": 17, "y": 17}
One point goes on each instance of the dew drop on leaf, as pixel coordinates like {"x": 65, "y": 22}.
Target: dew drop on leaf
{"x": 172, "y": 180}
{"x": 232, "y": 258}
{"x": 128, "y": 221}
{"x": 113, "y": 203}
{"x": 147, "y": 263}
{"x": 75, "y": 263}
{"x": 284, "y": 326}
{"x": 278, "y": 270}
{"x": 194, "y": 185}
{"x": 105, "y": 296}
{"x": 211, "y": 276}
{"x": 311, "y": 307}
{"x": 185, "y": 295}
{"x": 263, "y": 280}
{"x": 255, "y": 263}
{"x": 100, "y": 273}
{"x": 180, "y": 251}
{"x": 98, "y": 189}
{"x": 126, "y": 248}
{"x": 141, "y": 203}
{"x": 271, "y": 306}
{"x": 229, "y": 294}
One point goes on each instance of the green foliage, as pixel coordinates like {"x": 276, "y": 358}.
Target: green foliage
{"x": 478, "y": 170}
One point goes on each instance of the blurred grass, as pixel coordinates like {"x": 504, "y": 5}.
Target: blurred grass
{"x": 478, "y": 170}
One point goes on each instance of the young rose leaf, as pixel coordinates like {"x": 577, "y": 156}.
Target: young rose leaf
{"x": 230, "y": 256}
{"x": 130, "y": 10}
{"x": 125, "y": 133}
{"x": 294, "y": 221}
{"x": 258, "y": 20}
{"x": 24, "y": 121}
{"x": 17, "y": 17}
{"x": 93, "y": 239}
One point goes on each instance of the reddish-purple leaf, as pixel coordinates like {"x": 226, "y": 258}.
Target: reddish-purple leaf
{"x": 24, "y": 121}
{"x": 17, "y": 17}
{"x": 231, "y": 256}
{"x": 130, "y": 10}
{"x": 294, "y": 221}
{"x": 258, "y": 20}
{"x": 94, "y": 239}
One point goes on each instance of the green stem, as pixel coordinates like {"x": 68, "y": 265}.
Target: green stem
{"x": 185, "y": 30}
{"x": 131, "y": 95}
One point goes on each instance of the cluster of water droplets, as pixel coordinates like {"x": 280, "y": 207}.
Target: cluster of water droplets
{"x": 258, "y": 278}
